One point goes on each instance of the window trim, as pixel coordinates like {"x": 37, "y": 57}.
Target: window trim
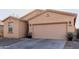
{"x": 8, "y": 28}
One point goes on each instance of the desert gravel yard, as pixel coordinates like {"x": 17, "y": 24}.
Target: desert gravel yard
{"x": 72, "y": 45}
{"x": 37, "y": 44}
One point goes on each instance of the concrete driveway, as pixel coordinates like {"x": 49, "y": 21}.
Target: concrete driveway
{"x": 37, "y": 44}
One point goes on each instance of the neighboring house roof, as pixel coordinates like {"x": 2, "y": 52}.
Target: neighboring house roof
{"x": 15, "y": 18}
{"x": 1, "y": 23}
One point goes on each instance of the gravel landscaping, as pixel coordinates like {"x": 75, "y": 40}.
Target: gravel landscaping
{"x": 72, "y": 45}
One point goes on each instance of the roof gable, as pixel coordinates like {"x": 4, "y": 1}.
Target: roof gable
{"x": 10, "y": 17}
{"x": 31, "y": 14}
{"x": 14, "y": 18}
{"x": 58, "y": 12}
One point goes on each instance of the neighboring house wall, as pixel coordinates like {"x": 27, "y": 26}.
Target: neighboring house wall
{"x": 50, "y": 17}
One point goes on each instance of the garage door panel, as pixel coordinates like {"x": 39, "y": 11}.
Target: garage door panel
{"x": 51, "y": 31}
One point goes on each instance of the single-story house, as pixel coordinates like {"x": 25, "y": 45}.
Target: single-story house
{"x": 1, "y": 29}
{"x": 14, "y": 27}
{"x": 50, "y": 24}
{"x": 45, "y": 24}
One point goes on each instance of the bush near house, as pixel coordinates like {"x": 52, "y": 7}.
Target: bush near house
{"x": 70, "y": 36}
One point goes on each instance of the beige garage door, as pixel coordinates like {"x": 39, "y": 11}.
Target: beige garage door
{"x": 49, "y": 31}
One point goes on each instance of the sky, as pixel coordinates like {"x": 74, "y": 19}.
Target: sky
{"x": 21, "y": 12}
{"x": 13, "y": 12}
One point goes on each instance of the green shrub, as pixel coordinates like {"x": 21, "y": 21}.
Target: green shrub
{"x": 70, "y": 36}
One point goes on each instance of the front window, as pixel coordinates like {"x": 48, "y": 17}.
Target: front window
{"x": 10, "y": 27}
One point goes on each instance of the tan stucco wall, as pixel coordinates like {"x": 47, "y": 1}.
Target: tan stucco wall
{"x": 52, "y": 18}
{"x": 18, "y": 29}
{"x": 22, "y": 29}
